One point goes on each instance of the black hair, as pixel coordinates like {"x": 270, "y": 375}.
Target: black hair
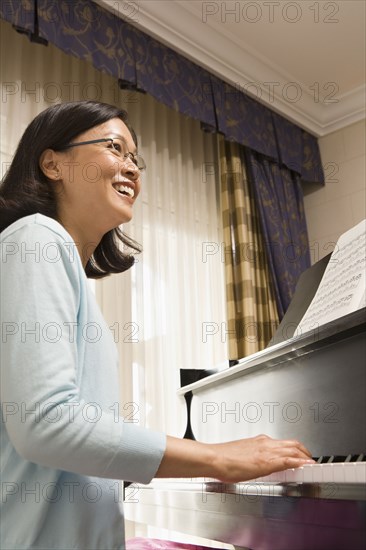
{"x": 26, "y": 190}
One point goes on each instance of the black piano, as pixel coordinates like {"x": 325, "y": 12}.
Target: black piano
{"x": 310, "y": 386}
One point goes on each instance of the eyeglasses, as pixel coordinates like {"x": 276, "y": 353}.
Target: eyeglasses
{"x": 118, "y": 147}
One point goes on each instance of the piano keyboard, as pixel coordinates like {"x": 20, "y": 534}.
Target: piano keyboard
{"x": 328, "y": 469}
{"x": 352, "y": 470}
{"x": 334, "y": 472}
{"x": 330, "y": 478}
{"x": 329, "y": 473}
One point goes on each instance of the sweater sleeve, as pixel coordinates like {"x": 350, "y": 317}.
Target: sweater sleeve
{"x": 42, "y": 407}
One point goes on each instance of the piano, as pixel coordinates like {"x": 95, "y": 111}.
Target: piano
{"x": 307, "y": 386}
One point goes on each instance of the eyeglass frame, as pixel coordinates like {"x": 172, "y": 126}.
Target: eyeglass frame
{"x": 134, "y": 157}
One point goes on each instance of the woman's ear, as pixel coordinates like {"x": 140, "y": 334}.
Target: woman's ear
{"x": 50, "y": 165}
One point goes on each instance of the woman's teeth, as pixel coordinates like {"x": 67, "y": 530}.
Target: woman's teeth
{"x": 125, "y": 190}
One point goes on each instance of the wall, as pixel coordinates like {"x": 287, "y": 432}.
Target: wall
{"x": 341, "y": 203}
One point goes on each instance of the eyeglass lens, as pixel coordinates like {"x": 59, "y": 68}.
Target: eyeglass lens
{"x": 120, "y": 148}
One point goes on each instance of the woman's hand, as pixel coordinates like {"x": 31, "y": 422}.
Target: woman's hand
{"x": 247, "y": 459}
{"x": 234, "y": 461}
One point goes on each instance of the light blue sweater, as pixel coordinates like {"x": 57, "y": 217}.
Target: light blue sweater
{"x": 63, "y": 444}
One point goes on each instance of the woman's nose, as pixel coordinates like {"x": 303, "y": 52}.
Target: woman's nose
{"x": 130, "y": 168}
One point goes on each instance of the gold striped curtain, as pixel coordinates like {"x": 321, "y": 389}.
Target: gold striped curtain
{"x": 251, "y": 307}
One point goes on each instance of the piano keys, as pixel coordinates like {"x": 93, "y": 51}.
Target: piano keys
{"x": 333, "y": 472}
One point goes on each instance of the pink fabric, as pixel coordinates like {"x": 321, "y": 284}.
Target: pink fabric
{"x": 140, "y": 543}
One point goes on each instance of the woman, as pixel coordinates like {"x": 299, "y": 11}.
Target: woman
{"x": 74, "y": 179}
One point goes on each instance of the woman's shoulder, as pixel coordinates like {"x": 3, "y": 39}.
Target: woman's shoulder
{"x": 38, "y": 240}
{"x": 38, "y": 224}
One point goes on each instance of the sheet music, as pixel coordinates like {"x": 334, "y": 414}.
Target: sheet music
{"x": 342, "y": 288}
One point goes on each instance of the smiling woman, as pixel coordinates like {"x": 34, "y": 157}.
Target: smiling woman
{"x": 63, "y": 446}
{"x": 46, "y": 183}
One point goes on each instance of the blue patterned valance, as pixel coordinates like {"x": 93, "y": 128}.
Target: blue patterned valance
{"x": 18, "y": 12}
{"x": 114, "y": 46}
{"x": 243, "y": 119}
{"x": 85, "y": 30}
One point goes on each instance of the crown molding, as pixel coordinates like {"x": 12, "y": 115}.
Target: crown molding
{"x": 245, "y": 69}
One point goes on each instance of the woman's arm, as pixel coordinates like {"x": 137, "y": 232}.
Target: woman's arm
{"x": 48, "y": 371}
{"x": 233, "y": 461}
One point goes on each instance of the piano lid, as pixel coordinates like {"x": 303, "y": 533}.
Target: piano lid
{"x": 324, "y": 336}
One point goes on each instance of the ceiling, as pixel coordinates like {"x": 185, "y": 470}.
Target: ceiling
{"x": 304, "y": 59}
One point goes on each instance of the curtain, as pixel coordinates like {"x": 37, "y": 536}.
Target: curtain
{"x": 164, "y": 312}
{"x": 177, "y": 286}
{"x": 251, "y": 307}
{"x": 280, "y": 204}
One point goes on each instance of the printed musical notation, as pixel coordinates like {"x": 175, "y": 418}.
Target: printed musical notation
{"x": 342, "y": 288}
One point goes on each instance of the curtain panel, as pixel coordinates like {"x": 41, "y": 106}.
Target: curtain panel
{"x": 279, "y": 199}
{"x": 86, "y": 30}
{"x": 251, "y": 306}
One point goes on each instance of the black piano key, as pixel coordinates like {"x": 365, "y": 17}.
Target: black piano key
{"x": 325, "y": 459}
{"x": 340, "y": 458}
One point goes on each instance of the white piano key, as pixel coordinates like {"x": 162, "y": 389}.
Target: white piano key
{"x": 294, "y": 475}
{"x": 327, "y": 473}
{"x": 360, "y": 470}
{"x": 308, "y": 473}
{"x": 338, "y": 472}
{"x": 349, "y": 472}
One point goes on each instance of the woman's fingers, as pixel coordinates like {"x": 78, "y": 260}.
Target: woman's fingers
{"x": 284, "y": 444}
{"x": 293, "y": 443}
{"x": 283, "y": 463}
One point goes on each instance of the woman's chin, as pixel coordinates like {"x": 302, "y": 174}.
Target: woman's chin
{"x": 122, "y": 218}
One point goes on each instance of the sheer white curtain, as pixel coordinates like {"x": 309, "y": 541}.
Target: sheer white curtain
{"x": 168, "y": 311}
{"x": 174, "y": 290}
